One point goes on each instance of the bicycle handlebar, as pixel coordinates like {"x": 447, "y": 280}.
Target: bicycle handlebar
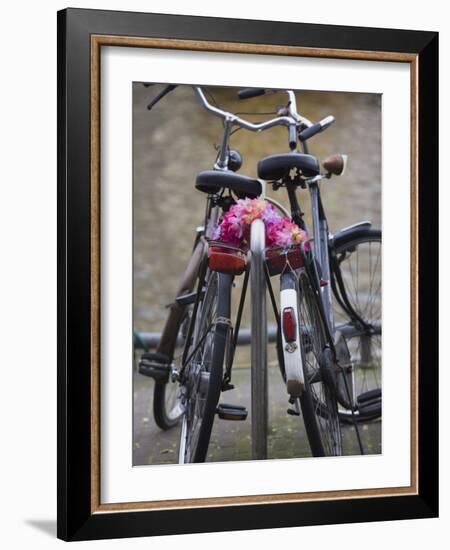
{"x": 292, "y": 119}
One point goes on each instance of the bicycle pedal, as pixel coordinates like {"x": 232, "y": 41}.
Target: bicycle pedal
{"x": 371, "y": 395}
{"x": 231, "y": 412}
{"x": 369, "y": 403}
{"x": 152, "y": 365}
{"x": 293, "y": 412}
{"x": 186, "y": 299}
{"x": 370, "y": 410}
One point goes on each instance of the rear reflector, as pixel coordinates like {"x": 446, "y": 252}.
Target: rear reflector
{"x": 289, "y": 324}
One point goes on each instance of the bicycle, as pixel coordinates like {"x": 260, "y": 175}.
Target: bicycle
{"x": 310, "y": 359}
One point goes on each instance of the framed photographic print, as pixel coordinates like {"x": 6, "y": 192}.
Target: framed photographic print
{"x": 247, "y": 252}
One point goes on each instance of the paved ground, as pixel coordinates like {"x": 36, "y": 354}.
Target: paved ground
{"x": 231, "y": 440}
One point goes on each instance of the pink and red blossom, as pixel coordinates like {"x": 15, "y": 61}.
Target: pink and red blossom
{"x": 280, "y": 230}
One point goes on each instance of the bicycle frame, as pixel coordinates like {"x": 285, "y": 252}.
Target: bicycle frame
{"x": 324, "y": 282}
{"x": 320, "y": 242}
{"x": 323, "y": 253}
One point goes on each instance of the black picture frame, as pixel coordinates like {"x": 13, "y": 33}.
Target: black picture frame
{"x": 76, "y": 518}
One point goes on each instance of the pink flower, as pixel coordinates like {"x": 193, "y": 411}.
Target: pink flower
{"x": 230, "y": 229}
{"x": 280, "y": 231}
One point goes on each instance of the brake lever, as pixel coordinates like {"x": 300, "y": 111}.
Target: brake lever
{"x": 164, "y": 92}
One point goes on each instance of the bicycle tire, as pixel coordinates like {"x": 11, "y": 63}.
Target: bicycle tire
{"x": 165, "y": 415}
{"x": 207, "y": 360}
{"x": 364, "y": 345}
{"x": 167, "y": 408}
{"x": 319, "y": 400}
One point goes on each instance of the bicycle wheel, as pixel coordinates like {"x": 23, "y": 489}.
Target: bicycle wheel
{"x": 167, "y": 408}
{"x": 319, "y": 402}
{"x": 358, "y": 259}
{"x": 202, "y": 378}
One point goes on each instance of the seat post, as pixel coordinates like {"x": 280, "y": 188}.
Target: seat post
{"x": 297, "y": 214}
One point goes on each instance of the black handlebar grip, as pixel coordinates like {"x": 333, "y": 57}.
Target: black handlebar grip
{"x": 292, "y": 137}
{"x": 310, "y": 132}
{"x": 166, "y": 90}
{"x": 247, "y": 93}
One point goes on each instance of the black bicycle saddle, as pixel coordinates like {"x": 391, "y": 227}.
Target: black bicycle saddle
{"x": 276, "y": 167}
{"x": 212, "y": 181}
